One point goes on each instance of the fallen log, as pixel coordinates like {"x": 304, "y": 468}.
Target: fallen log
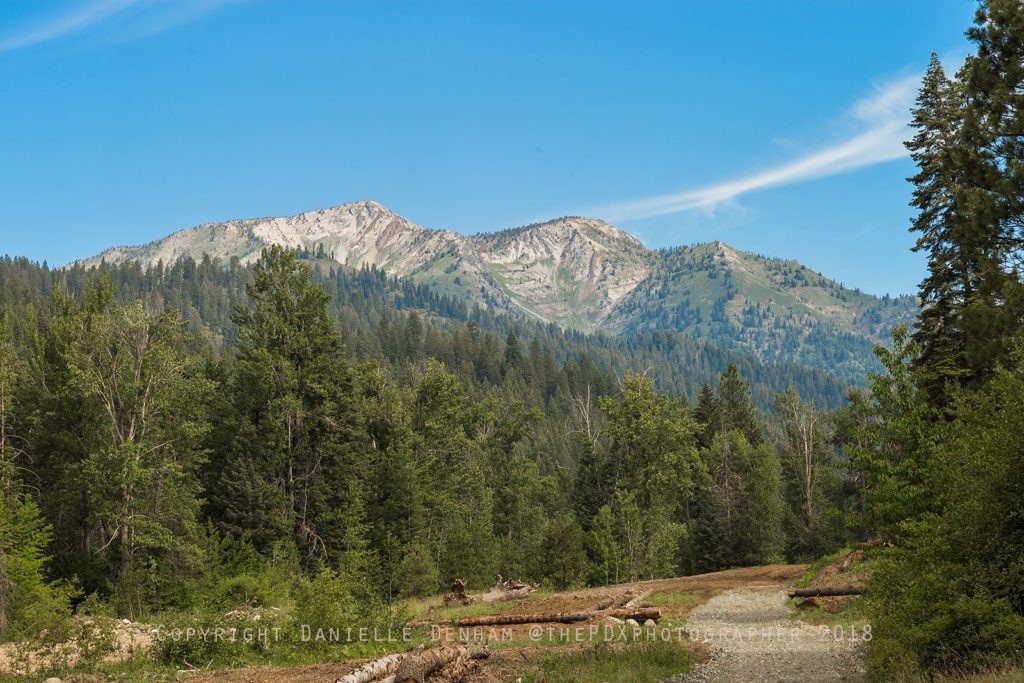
{"x": 827, "y": 591}
{"x": 640, "y": 615}
{"x": 604, "y": 604}
{"x": 371, "y": 671}
{"x": 637, "y": 600}
{"x": 498, "y": 595}
{"x": 416, "y": 668}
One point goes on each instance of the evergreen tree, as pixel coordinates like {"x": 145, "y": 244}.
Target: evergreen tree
{"x": 953, "y": 262}
{"x": 735, "y": 406}
{"x": 706, "y": 415}
{"x": 513, "y": 356}
{"x": 292, "y": 446}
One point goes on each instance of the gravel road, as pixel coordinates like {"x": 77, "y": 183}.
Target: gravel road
{"x": 752, "y": 640}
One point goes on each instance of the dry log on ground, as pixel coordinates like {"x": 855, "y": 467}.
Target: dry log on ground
{"x": 624, "y": 598}
{"x": 604, "y": 604}
{"x": 637, "y": 599}
{"x": 416, "y": 668}
{"x": 827, "y": 591}
{"x": 371, "y": 671}
{"x": 499, "y": 595}
{"x": 640, "y": 615}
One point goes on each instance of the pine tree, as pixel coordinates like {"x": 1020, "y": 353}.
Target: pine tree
{"x": 953, "y": 265}
{"x": 706, "y": 415}
{"x": 736, "y": 406}
{"x": 294, "y": 441}
{"x": 513, "y": 356}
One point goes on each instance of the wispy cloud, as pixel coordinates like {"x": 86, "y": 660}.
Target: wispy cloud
{"x": 148, "y": 17}
{"x": 881, "y": 123}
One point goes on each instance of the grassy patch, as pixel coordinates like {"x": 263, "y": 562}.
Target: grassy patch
{"x": 643, "y": 663}
{"x": 1008, "y": 675}
{"x": 852, "y": 615}
{"x": 808, "y": 577}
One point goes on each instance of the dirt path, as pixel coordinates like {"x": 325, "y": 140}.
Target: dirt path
{"x": 752, "y": 640}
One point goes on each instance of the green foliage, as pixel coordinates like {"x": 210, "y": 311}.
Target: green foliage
{"x": 417, "y": 573}
{"x": 809, "y": 473}
{"x": 140, "y": 467}
{"x": 314, "y": 459}
{"x": 938, "y": 442}
{"x": 564, "y": 555}
{"x": 29, "y": 604}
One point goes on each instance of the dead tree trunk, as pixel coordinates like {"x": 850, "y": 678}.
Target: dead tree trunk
{"x": 827, "y": 592}
{"x": 637, "y": 600}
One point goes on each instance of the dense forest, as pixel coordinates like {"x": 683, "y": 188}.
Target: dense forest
{"x": 189, "y": 438}
{"x": 397, "y": 451}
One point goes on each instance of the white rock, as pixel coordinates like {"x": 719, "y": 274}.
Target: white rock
{"x": 650, "y": 623}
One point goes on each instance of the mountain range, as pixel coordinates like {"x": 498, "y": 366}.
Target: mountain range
{"x": 578, "y": 273}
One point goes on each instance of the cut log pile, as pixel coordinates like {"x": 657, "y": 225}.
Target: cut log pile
{"x": 372, "y": 671}
{"x": 504, "y": 589}
{"x": 416, "y": 668}
{"x": 416, "y": 665}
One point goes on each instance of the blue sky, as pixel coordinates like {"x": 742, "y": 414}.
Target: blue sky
{"x": 773, "y": 126}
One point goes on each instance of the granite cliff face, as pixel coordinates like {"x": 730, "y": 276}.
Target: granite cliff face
{"x": 570, "y": 271}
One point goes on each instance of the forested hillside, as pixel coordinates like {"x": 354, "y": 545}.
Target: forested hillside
{"x": 384, "y": 457}
{"x": 398, "y": 322}
{"x": 778, "y": 310}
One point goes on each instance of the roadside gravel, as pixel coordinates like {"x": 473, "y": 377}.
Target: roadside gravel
{"x": 752, "y": 640}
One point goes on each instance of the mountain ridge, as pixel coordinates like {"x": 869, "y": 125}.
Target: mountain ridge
{"x": 579, "y": 273}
